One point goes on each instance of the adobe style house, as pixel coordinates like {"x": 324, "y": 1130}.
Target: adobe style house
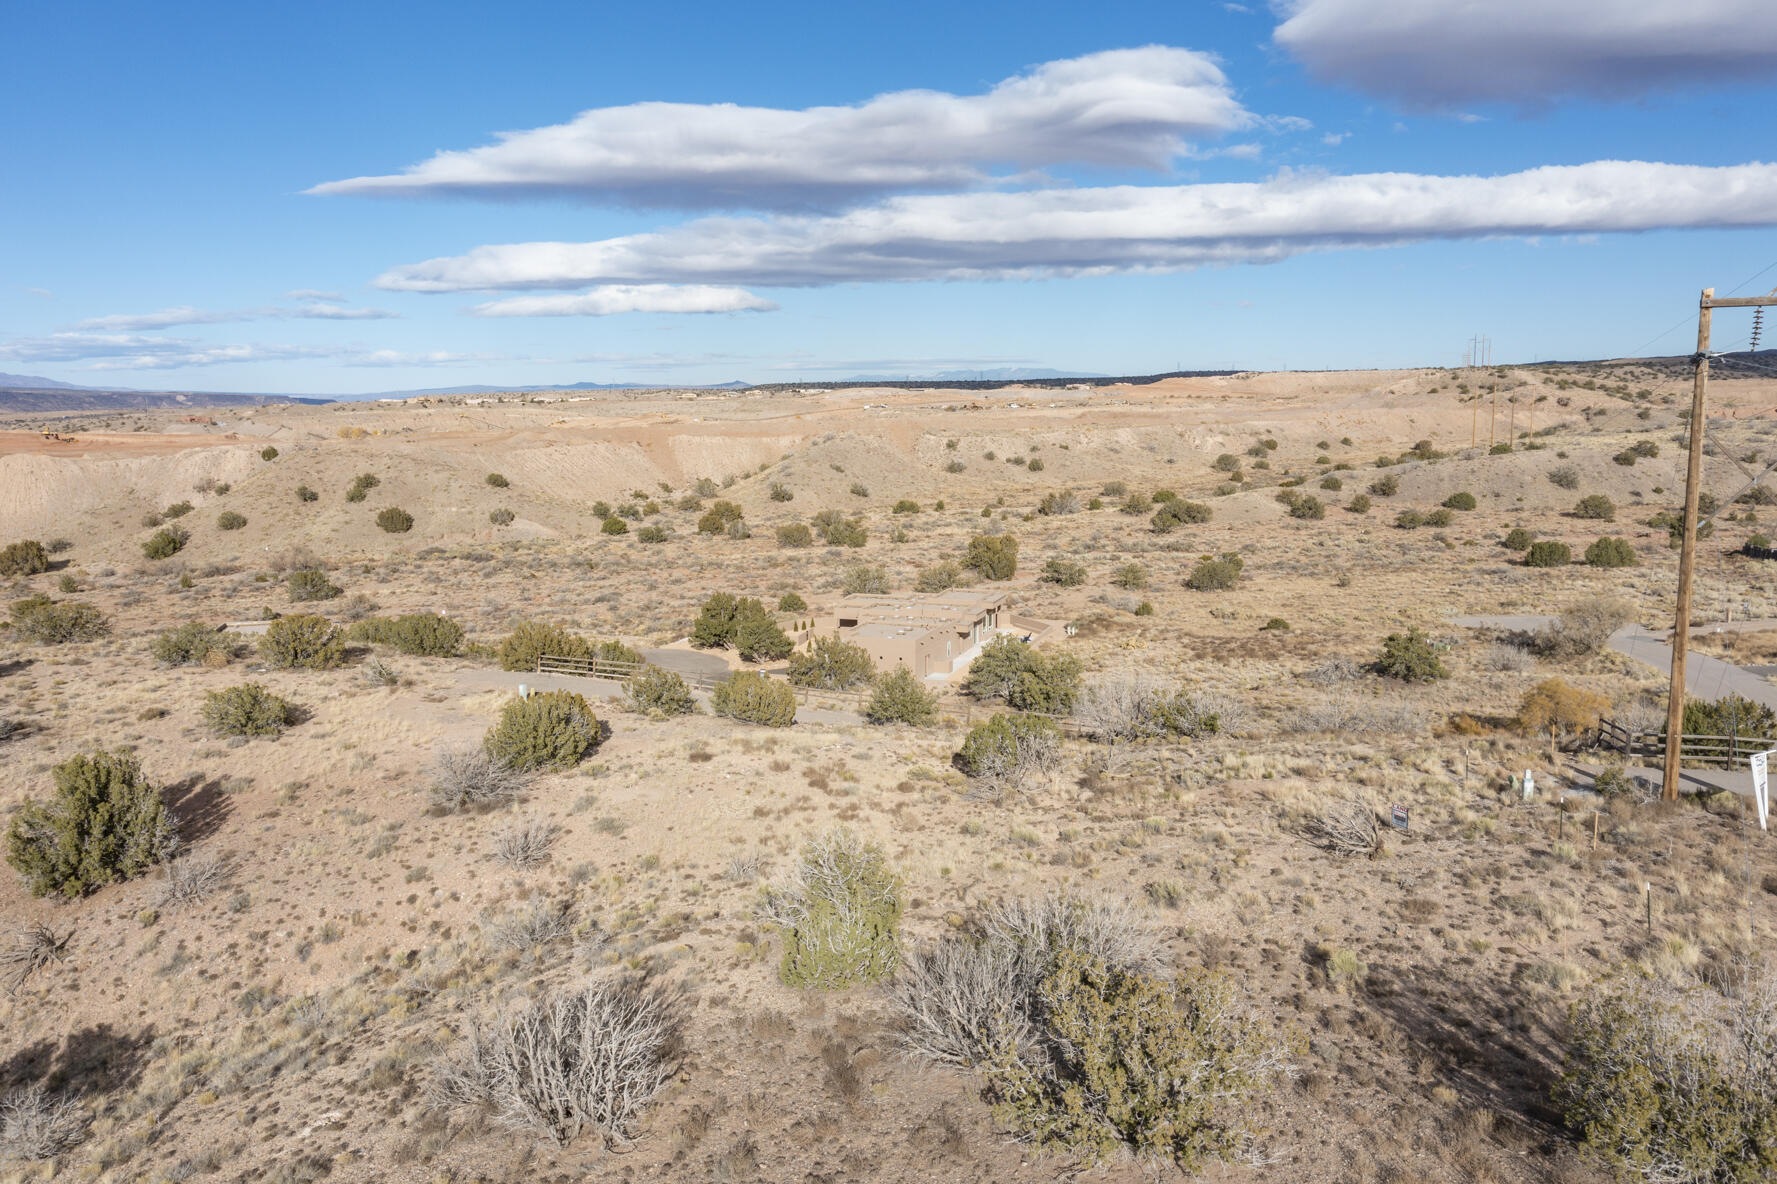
{"x": 931, "y": 633}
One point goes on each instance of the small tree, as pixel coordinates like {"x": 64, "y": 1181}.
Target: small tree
{"x": 105, "y": 823}
{"x": 303, "y": 640}
{"x": 498, "y": 480}
{"x": 1609, "y": 552}
{"x": 751, "y": 696}
{"x": 190, "y": 644}
{"x": 993, "y": 556}
{"x": 1460, "y": 501}
{"x": 795, "y": 534}
{"x": 1595, "y": 506}
{"x": 48, "y": 622}
{"x": 549, "y": 729}
{"x": 790, "y": 602}
{"x": 229, "y": 520}
{"x": 1013, "y": 672}
{"x": 837, "y": 915}
{"x": 1410, "y": 657}
{"x": 166, "y": 542}
{"x": 900, "y": 699}
{"x": 865, "y": 578}
{"x": 394, "y": 520}
{"x": 247, "y": 710}
{"x": 1130, "y": 577}
{"x": 1063, "y": 572}
{"x": 1518, "y": 539}
{"x": 1554, "y": 708}
{"x": 268, "y": 453}
{"x": 717, "y": 518}
{"x": 311, "y": 584}
{"x": 305, "y": 494}
{"x": 831, "y": 664}
{"x": 1175, "y": 512}
{"x": 26, "y": 558}
{"x": 653, "y": 689}
{"x": 1548, "y": 553}
{"x": 1215, "y": 574}
{"x": 424, "y": 634}
{"x": 1009, "y": 750}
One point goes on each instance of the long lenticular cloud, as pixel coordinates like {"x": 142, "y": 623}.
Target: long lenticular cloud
{"x": 1528, "y": 52}
{"x": 620, "y": 298}
{"x": 1124, "y": 108}
{"x": 1123, "y": 228}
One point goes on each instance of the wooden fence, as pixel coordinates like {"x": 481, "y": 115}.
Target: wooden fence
{"x": 1720, "y": 750}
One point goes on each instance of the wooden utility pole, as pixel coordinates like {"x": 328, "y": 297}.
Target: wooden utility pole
{"x": 1687, "y": 555}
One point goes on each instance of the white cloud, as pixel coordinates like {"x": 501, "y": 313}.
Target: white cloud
{"x": 167, "y": 318}
{"x": 1527, "y": 52}
{"x": 1121, "y": 108}
{"x": 618, "y": 298}
{"x": 314, "y": 294}
{"x": 131, "y": 351}
{"x": 1334, "y": 139}
{"x": 1123, "y": 228}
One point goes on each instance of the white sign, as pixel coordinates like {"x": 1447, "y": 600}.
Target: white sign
{"x": 1761, "y": 786}
{"x": 1529, "y": 785}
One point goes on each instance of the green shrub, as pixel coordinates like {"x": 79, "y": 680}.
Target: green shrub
{"x": 1440, "y": 517}
{"x": 940, "y": 576}
{"x": 1359, "y": 504}
{"x": 1670, "y": 1087}
{"x": 177, "y": 510}
{"x": 307, "y": 641}
{"x": 717, "y": 518}
{"x": 48, "y": 622}
{"x": 246, "y": 710}
{"x": 25, "y": 558}
{"x": 614, "y": 525}
{"x": 305, "y": 494}
{"x": 1136, "y": 503}
{"x": 1227, "y": 462}
{"x": 779, "y": 492}
{"x": 837, "y": 915}
{"x": 1332, "y": 483}
{"x": 653, "y": 689}
{"x": 423, "y": 634}
{"x": 105, "y": 823}
{"x": 1166, "y": 1068}
{"x": 530, "y": 640}
{"x": 900, "y": 699}
{"x": 1015, "y": 673}
{"x": 1410, "y": 657}
{"x": 1409, "y": 519}
{"x": 1009, "y": 750}
{"x": 1518, "y": 539}
{"x": 503, "y": 517}
{"x": 1307, "y": 506}
{"x": 790, "y": 602}
{"x": 1176, "y": 512}
{"x": 311, "y": 584}
{"x": 394, "y": 520}
{"x": 864, "y": 578}
{"x": 361, "y": 486}
{"x": 166, "y": 542}
{"x": 190, "y": 644}
{"x": 838, "y": 531}
{"x": 906, "y": 506}
{"x": 1757, "y": 542}
{"x": 795, "y": 534}
{"x": 1499, "y": 449}
{"x": 1215, "y": 575}
{"x": 1548, "y": 553}
{"x": 498, "y": 480}
{"x": 831, "y": 664}
{"x": 1564, "y": 477}
{"x": 268, "y": 453}
{"x": 751, "y": 696}
{"x": 1063, "y": 572}
{"x": 1130, "y": 576}
{"x": 602, "y": 509}
{"x": 1460, "y": 501}
{"x": 1144, "y": 609}
{"x": 1609, "y": 552}
{"x": 1730, "y": 715}
{"x": 993, "y": 556}
{"x": 549, "y": 729}
{"x": 1595, "y": 506}
{"x": 1386, "y": 486}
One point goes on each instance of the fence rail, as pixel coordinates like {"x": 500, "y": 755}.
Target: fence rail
{"x": 1726, "y": 750}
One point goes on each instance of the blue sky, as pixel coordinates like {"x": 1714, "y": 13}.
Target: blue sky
{"x": 247, "y": 197}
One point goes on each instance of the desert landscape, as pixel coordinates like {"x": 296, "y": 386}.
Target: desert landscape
{"x": 1260, "y": 793}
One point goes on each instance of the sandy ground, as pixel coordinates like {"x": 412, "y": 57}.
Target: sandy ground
{"x": 286, "y": 1026}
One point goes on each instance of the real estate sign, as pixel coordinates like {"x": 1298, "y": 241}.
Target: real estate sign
{"x": 1761, "y": 786}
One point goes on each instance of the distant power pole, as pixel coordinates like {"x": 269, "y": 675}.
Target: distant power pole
{"x": 1687, "y": 555}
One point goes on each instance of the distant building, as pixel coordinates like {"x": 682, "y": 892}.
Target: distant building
{"x": 930, "y": 633}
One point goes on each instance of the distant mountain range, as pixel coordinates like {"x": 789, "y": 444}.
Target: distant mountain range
{"x": 31, "y": 382}
{"x": 1002, "y": 374}
{"x": 483, "y": 389}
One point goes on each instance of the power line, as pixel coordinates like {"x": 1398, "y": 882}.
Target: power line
{"x": 1686, "y": 319}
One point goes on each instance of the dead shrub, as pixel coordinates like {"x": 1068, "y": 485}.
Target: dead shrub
{"x": 474, "y": 779}
{"x": 36, "y": 1125}
{"x": 1348, "y": 828}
